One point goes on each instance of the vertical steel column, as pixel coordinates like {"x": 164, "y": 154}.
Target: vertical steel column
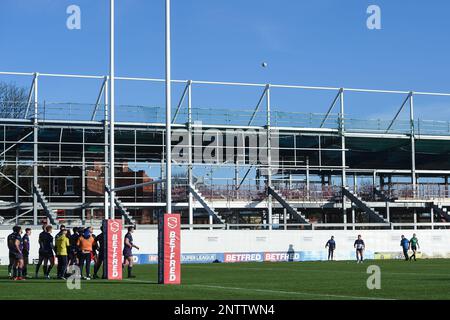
{"x": 112, "y": 107}
{"x": 413, "y": 144}
{"x": 168, "y": 115}
{"x": 236, "y": 175}
{"x": 374, "y": 179}
{"x": 35, "y": 149}
{"x": 388, "y": 212}
{"x": 446, "y": 186}
{"x": 17, "y": 184}
{"x": 190, "y": 167}
{"x": 353, "y": 218}
{"x": 83, "y": 181}
{"x": 308, "y": 193}
{"x": 269, "y": 159}
{"x": 135, "y": 172}
{"x": 344, "y": 176}
{"x": 352, "y": 207}
{"x": 415, "y": 218}
{"x": 432, "y": 218}
{"x": 106, "y": 167}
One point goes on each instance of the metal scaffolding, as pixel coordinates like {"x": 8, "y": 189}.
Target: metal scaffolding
{"x": 313, "y": 161}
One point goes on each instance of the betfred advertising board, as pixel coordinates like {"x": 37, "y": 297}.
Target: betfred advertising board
{"x": 169, "y": 249}
{"x": 113, "y": 254}
{"x": 243, "y": 257}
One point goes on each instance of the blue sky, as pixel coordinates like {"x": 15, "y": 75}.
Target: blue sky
{"x": 320, "y": 42}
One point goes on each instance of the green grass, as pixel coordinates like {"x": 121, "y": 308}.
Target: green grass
{"x": 424, "y": 279}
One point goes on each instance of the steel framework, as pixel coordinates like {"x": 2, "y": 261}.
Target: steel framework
{"x": 324, "y": 169}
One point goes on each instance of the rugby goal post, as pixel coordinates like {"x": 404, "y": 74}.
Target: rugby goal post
{"x": 169, "y": 251}
{"x": 112, "y": 260}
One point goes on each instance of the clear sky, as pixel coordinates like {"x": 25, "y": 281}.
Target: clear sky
{"x": 309, "y": 42}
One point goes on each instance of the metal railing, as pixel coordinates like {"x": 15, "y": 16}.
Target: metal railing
{"x": 214, "y": 115}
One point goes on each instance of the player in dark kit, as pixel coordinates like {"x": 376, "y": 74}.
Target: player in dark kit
{"x": 100, "y": 241}
{"x": 359, "y": 246}
{"x": 73, "y": 248}
{"x": 46, "y": 251}
{"x": 128, "y": 251}
{"x": 95, "y": 246}
{"x": 38, "y": 265}
{"x": 15, "y": 252}
{"x": 26, "y": 251}
{"x": 331, "y": 245}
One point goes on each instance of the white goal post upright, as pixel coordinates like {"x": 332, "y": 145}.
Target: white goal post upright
{"x": 112, "y": 111}
{"x": 169, "y": 260}
{"x": 169, "y": 257}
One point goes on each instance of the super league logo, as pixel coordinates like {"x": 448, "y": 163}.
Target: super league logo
{"x": 172, "y": 222}
{"x": 114, "y": 227}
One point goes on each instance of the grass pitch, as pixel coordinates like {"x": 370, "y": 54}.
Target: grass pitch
{"x": 424, "y": 279}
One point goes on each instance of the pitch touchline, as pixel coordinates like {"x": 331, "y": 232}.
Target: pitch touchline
{"x": 289, "y": 292}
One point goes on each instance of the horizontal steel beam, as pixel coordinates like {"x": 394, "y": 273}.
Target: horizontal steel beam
{"x": 229, "y": 83}
{"x": 134, "y": 186}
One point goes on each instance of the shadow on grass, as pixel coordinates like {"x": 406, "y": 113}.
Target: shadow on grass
{"x": 93, "y": 282}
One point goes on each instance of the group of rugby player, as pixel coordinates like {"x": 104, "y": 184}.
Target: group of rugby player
{"x": 360, "y": 246}
{"x": 77, "y": 248}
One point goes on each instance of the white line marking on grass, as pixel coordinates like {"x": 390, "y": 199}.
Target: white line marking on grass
{"x": 269, "y": 291}
{"x": 290, "y": 292}
{"x": 140, "y": 281}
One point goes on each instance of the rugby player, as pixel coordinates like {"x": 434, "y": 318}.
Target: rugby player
{"x": 404, "y": 243}
{"x": 100, "y": 241}
{"x": 26, "y": 251}
{"x": 61, "y": 229}
{"x": 414, "y": 242}
{"x": 85, "y": 243}
{"x": 73, "y": 248}
{"x": 15, "y": 252}
{"x": 46, "y": 251}
{"x": 128, "y": 251}
{"x": 94, "y": 247}
{"x": 62, "y": 244}
{"x": 331, "y": 245}
{"x": 359, "y": 246}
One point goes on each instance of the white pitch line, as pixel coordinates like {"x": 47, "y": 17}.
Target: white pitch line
{"x": 272, "y": 291}
{"x": 290, "y": 292}
{"x": 140, "y": 281}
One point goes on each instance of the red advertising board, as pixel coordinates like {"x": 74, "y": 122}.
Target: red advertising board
{"x": 113, "y": 249}
{"x": 170, "y": 257}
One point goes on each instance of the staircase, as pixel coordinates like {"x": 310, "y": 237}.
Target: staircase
{"x": 48, "y": 212}
{"x": 123, "y": 211}
{"x": 287, "y": 205}
{"x": 437, "y": 207}
{"x": 373, "y": 215}
{"x": 198, "y": 196}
